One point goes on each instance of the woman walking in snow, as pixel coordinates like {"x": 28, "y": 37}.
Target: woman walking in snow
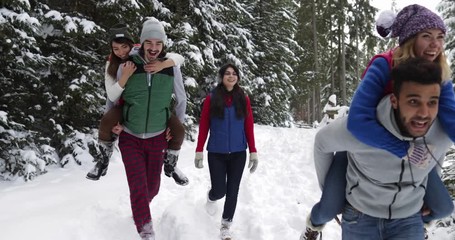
{"x": 420, "y": 33}
{"x": 227, "y": 114}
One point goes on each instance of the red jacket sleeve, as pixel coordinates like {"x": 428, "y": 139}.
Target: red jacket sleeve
{"x": 204, "y": 125}
{"x": 249, "y": 126}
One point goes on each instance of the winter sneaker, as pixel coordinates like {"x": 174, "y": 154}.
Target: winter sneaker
{"x": 100, "y": 168}
{"x": 225, "y": 233}
{"x": 311, "y": 232}
{"x": 170, "y": 169}
{"x": 210, "y": 206}
{"x": 147, "y": 232}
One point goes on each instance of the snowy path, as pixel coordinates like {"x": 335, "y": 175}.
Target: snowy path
{"x": 273, "y": 202}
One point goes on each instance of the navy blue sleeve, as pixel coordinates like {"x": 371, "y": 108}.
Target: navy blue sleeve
{"x": 446, "y": 114}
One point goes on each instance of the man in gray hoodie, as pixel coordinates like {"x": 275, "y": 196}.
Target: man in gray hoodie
{"x": 385, "y": 193}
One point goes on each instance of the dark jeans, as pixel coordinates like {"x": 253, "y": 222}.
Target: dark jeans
{"x": 333, "y": 198}
{"x": 359, "y": 226}
{"x": 225, "y": 175}
{"x": 114, "y": 116}
{"x": 437, "y": 198}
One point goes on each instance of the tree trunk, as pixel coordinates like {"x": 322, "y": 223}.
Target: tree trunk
{"x": 317, "y": 88}
{"x": 343, "y": 68}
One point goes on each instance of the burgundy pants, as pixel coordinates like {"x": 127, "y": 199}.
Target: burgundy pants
{"x": 143, "y": 160}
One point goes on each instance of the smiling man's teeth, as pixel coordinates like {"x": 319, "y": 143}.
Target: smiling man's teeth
{"x": 419, "y": 124}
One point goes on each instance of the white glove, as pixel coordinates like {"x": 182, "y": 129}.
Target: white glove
{"x": 198, "y": 160}
{"x": 253, "y": 164}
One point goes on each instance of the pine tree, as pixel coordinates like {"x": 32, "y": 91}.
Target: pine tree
{"x": 447, "y": 10}
{"x": 20, "y": 75}
{"x": 50, "y": 86}
{"x": 361, "y": 27}
{"x": 273, "y": 30}
{"x": 208, "y": 34}
{"x": 337, "y": 37}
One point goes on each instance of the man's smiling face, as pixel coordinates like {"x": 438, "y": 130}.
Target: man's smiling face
{"x": 152, "y": 49}
{"x": 416, "y": 107}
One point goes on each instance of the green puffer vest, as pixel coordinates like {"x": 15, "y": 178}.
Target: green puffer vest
{"x": 146, "y": 108}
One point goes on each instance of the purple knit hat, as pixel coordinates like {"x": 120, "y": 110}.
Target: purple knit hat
{"x": 409, "y": 21}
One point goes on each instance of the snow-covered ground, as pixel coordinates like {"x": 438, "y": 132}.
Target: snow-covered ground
{"x": 273, "y": 202}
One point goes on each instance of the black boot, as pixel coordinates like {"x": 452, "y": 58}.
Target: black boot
{"x": 100, "y": 168}
{"x": 170, "y": 169}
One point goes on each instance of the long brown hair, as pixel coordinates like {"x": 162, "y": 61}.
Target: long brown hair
{"x": 219, "y": 94}
{"x": 114, "y": 61}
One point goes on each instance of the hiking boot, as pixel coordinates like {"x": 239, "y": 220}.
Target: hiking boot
{"x": 311, "y": 232}
{"x": 100, "y": 168}
{"x": 225, "y": 232}
{"x": 170, "y": 169}
{"x": 426, "y": 226}
{"x": 179, "y": 177}
{"x": 210, "y": 206}
{"x": 147, "y": 232}
{"x": 170, "y": 161}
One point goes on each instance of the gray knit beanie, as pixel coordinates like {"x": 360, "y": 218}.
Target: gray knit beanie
{"x": 409, "y": 21}
{"x": 153, "y": 29}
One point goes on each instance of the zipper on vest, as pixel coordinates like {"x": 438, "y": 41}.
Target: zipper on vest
{"x": 149, "y": 82}
{"x": 229, "y": 128}
{"x": 142, "y": 59}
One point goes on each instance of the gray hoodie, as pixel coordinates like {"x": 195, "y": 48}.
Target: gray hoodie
{"x": 380, "y": 184}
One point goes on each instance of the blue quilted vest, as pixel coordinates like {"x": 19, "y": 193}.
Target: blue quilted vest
{"x": 227, "y": 135}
